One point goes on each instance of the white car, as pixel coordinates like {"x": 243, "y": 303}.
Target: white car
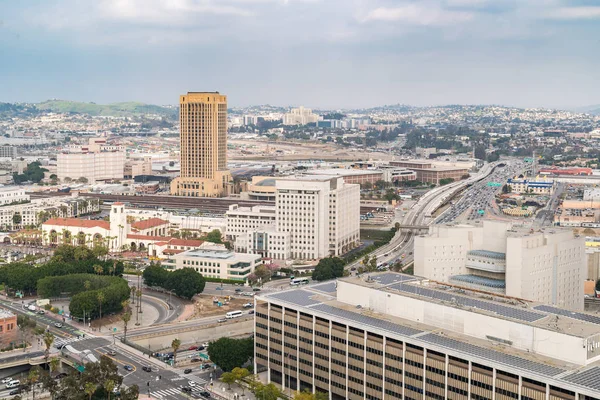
{"x": 6, "y": 380}
{"x": 191, "y": 383}
{"x": 248, "y": 305}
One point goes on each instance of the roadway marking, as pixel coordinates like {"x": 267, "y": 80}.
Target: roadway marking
{"x": 117, "y": 361}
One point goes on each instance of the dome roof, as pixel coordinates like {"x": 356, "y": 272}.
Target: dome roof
{"x": 266, "y": 182}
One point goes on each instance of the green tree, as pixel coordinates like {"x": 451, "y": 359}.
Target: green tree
{"x": 328, "y": 268}
{"x": 100, "y": 297}
{"x": 126, "y": 317}
{"x": 230, "y": 353}
{"x": 307, "y": 395}
{"x": 228, "y": 378}
{"x": 263, "y": 273}
{"x": 240, "y": 375}
{"x": 185, "y": 282}
{"x": 89, "y": 388}
{"x": 365, "y": 260}
{"x": 48, "y": 340}
{"x": 372, "y": 264}
{"x": 109, "y": 385}
{"x": 17, "y": 219}
{"x": 266, "y": 392}
{"x": 175, "y": 344}
{"x": 213, "y": 236}
{"x": 32, "y": 379}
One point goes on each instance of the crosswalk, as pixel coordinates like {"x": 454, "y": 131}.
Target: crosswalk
{"x": 199, "y": 381}
{"x": 59, "y": 342}
{"x": 165, "y": 393}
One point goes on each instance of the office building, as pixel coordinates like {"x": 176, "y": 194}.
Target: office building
{"x": 300, "y": 116}
{"x": 429, "y": 172}
{"x": 12, "y": 194}
{"x": 96, "y": 161}
{"x": 203, "y": 125}
{"x": 547, "y": 266}
{"x": 216, "y": 261}
{"x": 314, "y": 216}
{"x": 393, "y": 336}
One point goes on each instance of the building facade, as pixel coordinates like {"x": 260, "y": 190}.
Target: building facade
{"x": 101, "y": 166}
{"x": 243, "y": 219}
{"x": 392, "y": 336}
{"x": 8, "y": 151}
{"x": 203, "y": 157}
{"x": 300, "y": 116}
{"x": 12, "y": 194}
{"x": 545, "y": 266}
{"x": 216, "y": 261}
{"x": 8, "y": 328}
{"x": 536, "y": 185}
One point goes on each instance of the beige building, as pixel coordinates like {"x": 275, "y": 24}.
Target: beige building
{"x": 546, "y": 266}
{"x": 390, "y": 336}
{"x": 102, "y": 166}
{"x": 138, "y": 166}
{"x": 203, "y": 125}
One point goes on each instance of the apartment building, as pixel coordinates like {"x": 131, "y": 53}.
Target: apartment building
{"x": 216, "y": 261}
{"x": 547, "y": 266}
{"x": 8, "y": 151}
{"x": 393, "y": 336}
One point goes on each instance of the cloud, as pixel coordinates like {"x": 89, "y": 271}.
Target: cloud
{"x": 568, "y": 13}
{"x": 418, "y": 14}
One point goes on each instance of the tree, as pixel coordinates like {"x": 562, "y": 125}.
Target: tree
{"x": 82, "y": 179}
{"x": 33, "y": 378}
{"x": 100, "y": 297}
{"x": 446, "y": 181}
{"x": 109, "y": 386}
{"x": 185, "y": 282}
{"x": 266, "y": 392}
{"x": 390, "y": 195}
{"x": 17, "y": 219}
{"x": 228, "y": 378}
{"x": 126, "y": 317}
{"x": 366, "y": 185}
{"x": 328, "y": 268}
{"x": 240, "y": 374}
{"x": 213, "y": 236}
{"x": 479, "y": 152}
{"x": 175, "y": 344}
{"x": 372, "y": 264}
{"x": 381, "y": 184}
{"x": 506, "y": 189}
{"x": 89, "y": 388}
{"x": 230, "y": 353}
{"x": 262, "y": 273}
{"x": 48, "y": 340}
{"x": 365, "y": 260}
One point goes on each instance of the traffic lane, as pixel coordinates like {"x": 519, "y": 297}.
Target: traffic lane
{"x": 187, "y": 325}
{"x": 45, "y": 321}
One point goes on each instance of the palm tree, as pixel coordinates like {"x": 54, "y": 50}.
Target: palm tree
{"x": 133, "y": 294}
{"x": 98, "y": 269}
{"x": 126, "y": 317}
{"x": 89, "y": 389}
{"x": 109, "y": 386}
{"x": 32, "y": 379}
{"x": 87, "y": 285}
{"x": 139, "y": 296}
{"x": 175, "y": 344}
{"x": 48, "y": 340}
{"x": 54, "y": 364}
{"x": 100, "y": 301}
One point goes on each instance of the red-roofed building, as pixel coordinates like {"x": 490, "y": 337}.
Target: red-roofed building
{"x": 165, "y": 249}
{"x": 152, "y": 227}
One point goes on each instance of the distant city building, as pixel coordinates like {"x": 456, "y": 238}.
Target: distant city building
{"x": 138, "y": 166}
{"x": 428, "y": 172}
{"x": 591, "y": 194}
{"x": 566, "y": 171}
{"x": 7, "y": 151}
{"x": 94, "y": 162}
{"x": 536, "y": 185}
{"x": 203, "y": 125}
{"x": 12, "y": 194}
{"x": 546, "y": 266}
{"x": 8, "y": 328}
{"x": 425, "y": 152}
{"x": 300, "y": 116}
{"x": 359, "y": 176}
{"x": 393, "y": 336}
{"x": 216, "y": 261}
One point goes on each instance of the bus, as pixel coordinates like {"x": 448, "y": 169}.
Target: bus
{"x": 233, "y": 314}
{"x": 299, "y": 281}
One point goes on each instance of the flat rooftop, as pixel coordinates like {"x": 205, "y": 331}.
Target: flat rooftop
{"x": 321, "y": 299}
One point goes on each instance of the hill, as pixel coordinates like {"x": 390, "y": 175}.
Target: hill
{"x": 594, "y": 110}
{"x": 114, "y": 109}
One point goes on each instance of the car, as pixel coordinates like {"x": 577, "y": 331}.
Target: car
{"x": 248, "y": 305}
{"x": 221, "y": 320}
{"x": 14, "y": 391}
{"x": 58, "y": 325}
{"x": 237, "y": 290}
{"x": 193, "y": 348}
{"x": 200, "y": 348}
{"x": 147, "y": 368}
{"x": 205, "y": 344}
{"x": 191, "y": 383}
{"x": 256, "y": 289}
{"x": 112, "y": 353}
{"x": 205, "y": 394}
{"x": 6, "y": 380}
{"x": 251, "y": 312}
{"x": 128, "y": 367}
{"x": 186, "y": 389}
{"x": 41, "y": 312}
{"x": 187, "y": 371}
{"x": 195, "y": 359}
{"x": 219, "y": 288}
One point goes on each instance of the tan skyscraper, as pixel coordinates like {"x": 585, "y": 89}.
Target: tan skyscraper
{"x": 203, "y": 126}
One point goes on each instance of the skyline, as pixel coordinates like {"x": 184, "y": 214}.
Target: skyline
{"x": 323, "y": 54}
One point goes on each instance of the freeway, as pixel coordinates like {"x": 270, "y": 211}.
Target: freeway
{"x": 420, "y": 214}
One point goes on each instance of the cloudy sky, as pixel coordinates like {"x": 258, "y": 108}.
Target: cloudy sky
{"x": 319, "y": 53}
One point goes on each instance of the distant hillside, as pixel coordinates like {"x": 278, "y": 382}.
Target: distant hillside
{"x": 594, "y": 110}
{"x": 114, "y": 109}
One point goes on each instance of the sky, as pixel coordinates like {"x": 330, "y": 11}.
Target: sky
{"x": 317, "y": 53}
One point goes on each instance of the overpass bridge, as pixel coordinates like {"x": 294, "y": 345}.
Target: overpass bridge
{"x": 414, "y": 227}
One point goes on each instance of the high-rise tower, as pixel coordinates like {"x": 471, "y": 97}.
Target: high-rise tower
{"x": 203, "y": 135}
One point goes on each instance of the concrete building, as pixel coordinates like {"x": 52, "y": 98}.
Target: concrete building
{"x": 314, "y": 216}
{"x": 393, "y": 336}
{"x": 425, "y": 152}
{"x": 300, "y": 116}
{"x": 103, "y": 166}
{"x": 546, "y": 266}
{"x": 138, "y": 166}
{"x": 358, "y": 176}
{"x": 428, "y": 172}
{"x": 536, "y": 185}
{"x": 203, "y": 125}
{"x": 12, "y": 194}
{"x": 215, "y": 261}
{"x": 260, "y": 188}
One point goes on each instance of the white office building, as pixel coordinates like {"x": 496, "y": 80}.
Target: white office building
{"x": 216, "y": 261}
{"x": 12, "y": 194}
{"x": 547, "y": 266}
{"x": 313, "y": 217}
